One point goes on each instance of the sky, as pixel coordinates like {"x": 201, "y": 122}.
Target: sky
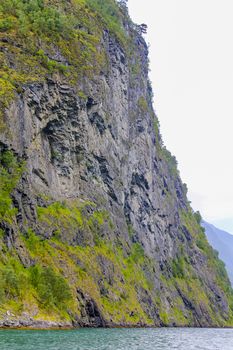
{"x": 191, "y": 61}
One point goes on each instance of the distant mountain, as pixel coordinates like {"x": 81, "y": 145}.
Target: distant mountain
{"x": 222, "y": 241}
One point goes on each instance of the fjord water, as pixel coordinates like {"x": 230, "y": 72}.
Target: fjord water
{"x": 118, "y": 339}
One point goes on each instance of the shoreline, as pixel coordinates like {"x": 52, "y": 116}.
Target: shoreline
{"x": 40, "y": 326}
{"x": 53, "y": 325}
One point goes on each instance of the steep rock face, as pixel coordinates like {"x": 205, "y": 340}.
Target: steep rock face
{"x": 102, "y": 146}
{"x": 101, "y": 210}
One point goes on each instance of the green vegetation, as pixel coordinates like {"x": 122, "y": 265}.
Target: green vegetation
{"x": 12, "y": 280}
{"x": 142, "y": 105}
{"x": 65, "y": 220}
{"x": 53, "y": 290}
{"x": 20, "y": 286}
{"x": 198, "y": 217}
{"x": 112, "y": 15}
{"x": 59, "y": 215}
{"x": 116, "y": 296}
{"x": 34, "y": 16}
{"x": 178, "y": 267}
{"x": 51, "y": 65}
{"x": 184, "y": 279}
{"x": 170, "y": 161}
{"x": 194, "y": 286}
{"x": 10, "y": 173}
{"x": 215, "y": 264}
{"x": 33, "y": 33}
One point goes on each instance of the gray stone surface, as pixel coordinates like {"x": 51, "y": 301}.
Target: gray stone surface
{"x": 104, "y": 147}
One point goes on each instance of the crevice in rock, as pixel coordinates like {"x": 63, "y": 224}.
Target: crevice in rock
{"x": 90, "y": 314}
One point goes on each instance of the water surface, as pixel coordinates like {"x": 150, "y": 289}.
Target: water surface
{"x": 118, "y": 339}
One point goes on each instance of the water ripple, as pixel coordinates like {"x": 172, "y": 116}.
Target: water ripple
{"x": 118, "y": 339}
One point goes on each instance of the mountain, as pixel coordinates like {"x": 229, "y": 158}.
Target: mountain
{"x": 222, "y": 241}
{"x": 96, "y": 229}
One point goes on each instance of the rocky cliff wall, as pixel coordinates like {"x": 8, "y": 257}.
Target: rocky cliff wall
{"x": 98, "y": 230}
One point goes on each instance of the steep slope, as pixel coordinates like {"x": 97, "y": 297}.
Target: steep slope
{"x": 96, "y": 228}
{"x": 222, "y": 241}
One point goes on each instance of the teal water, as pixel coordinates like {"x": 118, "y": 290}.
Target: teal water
{"x": 118, "y": 339}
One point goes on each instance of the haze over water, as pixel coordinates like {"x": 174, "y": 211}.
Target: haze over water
{"x": 118, "y": 339}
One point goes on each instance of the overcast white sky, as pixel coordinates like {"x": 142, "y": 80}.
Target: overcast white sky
{"x": 191, "y": 54}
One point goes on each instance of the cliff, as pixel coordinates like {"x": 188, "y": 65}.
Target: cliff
{"x": 96, "y": 228}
